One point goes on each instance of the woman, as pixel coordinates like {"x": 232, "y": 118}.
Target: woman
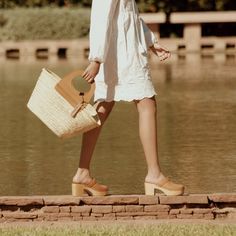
{"x": 119, "y": 43}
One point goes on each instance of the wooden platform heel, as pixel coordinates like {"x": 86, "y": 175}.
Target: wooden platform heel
{"x": 90, "y": 189}
{"x": 166, "y": 186}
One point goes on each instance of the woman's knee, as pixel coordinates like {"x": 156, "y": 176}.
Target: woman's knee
{"x": 104, "y": 107}
{"x": 147, "y": 105}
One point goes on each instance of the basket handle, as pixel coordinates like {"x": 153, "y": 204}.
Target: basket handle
{"x": 68, "y": 91}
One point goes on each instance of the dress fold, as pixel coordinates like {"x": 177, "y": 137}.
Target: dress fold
{"x": 120, "y": 39}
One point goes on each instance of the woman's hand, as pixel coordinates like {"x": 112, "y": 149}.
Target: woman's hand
{"x": 91, "y": 71}
{"x": 160, "y": 51}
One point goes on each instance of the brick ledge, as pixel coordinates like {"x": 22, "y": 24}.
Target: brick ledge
{"x": 115, "y": 207}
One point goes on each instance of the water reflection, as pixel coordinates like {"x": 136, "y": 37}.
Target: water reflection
{"x": 196, "y": 130}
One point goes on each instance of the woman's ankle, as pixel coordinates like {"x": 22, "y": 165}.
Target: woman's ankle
{"x": 154, "y": 177}
{"x": 82, "y": 176}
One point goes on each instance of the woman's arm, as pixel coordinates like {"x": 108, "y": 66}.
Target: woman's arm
{"x": 99, "y": 35}
{"x": 153, "y": 44}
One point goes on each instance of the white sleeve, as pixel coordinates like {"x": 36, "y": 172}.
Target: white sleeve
{"x": 150, "y": 37}
{"x": 100, "y": 28}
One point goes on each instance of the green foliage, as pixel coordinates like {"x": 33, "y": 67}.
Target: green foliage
{"x": 43, "y": 3}
{"x": 144, "y": 5}
{"x": 185, "y": 5}
{"x": 43, "y": 23}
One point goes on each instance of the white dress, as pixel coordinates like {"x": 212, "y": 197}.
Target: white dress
{"x": 120, "y": 39}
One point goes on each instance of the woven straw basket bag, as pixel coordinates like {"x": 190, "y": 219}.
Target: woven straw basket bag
{"x": 61, "y": 107}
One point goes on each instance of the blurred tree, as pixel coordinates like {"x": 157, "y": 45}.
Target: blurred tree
{"x": 168, "y": 6}
{"x": 144, "y": 5}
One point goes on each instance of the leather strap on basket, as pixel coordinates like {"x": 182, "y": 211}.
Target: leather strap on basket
{"x": 76, "y": 98}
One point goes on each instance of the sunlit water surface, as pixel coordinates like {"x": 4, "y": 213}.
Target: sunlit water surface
{"x": 196, "y": 118}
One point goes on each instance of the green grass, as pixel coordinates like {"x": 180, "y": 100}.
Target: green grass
{"x": 119, "y": 229}
{"x": 44, "y": 23}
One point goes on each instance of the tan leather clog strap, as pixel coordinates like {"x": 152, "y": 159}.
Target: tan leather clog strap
{"x": 92, "y": 183}
{"x": 98, "y": 187}
{"x": 163, "y": 181}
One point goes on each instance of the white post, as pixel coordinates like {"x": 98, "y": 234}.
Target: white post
{"x": 192, "y": 36}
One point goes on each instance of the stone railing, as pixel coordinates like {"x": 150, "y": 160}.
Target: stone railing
{"x": 192, "y": 40}
{"x": 117, "y": 207}
{"x": 44, "y": 49}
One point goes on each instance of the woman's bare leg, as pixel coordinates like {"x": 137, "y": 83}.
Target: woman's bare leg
{"x": 89, "y": 141}
{"x": 148, "y": 135}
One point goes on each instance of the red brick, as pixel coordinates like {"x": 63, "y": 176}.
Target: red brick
{"x": 124, "y": 218}
{"x": 197, "y": 216}
{"x": 202, "y": 210}
{"x": 77, "y": 218}
{"x": 21, "y": 200}
{"x": 144, "y": 217}
{"x": 107, "y": 218}
{"x": 39, "y": 219}
{"x": 110, "y": 200}
{"x": 223, "y": 197}
{"x": 10, "y": 220}
{"x": 109, "y": 214}
{"x": 65, "y": 209}
{"x": 164, "y": 213}
{"x": 41, "y": 214}
{"x": 64, "y": 216}
{"x": 157, "y": 208}
{"x": 224, "y": 210}
{"x": 88, "y": 218}
{"x": 148, "y": 200}
{"x": 174, "y": 211}
{"x": 137, "y": 213}
{"x": 133, "y": 208}
{"x": 51, "y": 216}
{"x": 82, "y": 209}
{"x": 209, "y": 216}
{"x": 101, "y": 209}
{"x": 118, "y": 208}
{"x": 64, "y": 219}
{"x": 75, "y": 214}
{"x": 194, "y": 198}
{"x": 218, "y": 216}
{"x": 50, "y": 209}
{"x": 85, "y": 214}
{"x": 184, "y": 216}
{"x": 96, "y": 214}
{"x": 186, "y": 211}
{"x": 166, "y": 216}
{"x": 19, "y": 215}
{"x": 231, "y": 215}
{"x": 61, "y": 200}
{"x": 126, "y": 213}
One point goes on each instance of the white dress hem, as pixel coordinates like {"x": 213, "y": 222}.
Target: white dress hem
{"x": 125, "y": 99}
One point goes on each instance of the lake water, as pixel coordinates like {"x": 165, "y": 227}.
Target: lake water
{"x": 196, "y": 118}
